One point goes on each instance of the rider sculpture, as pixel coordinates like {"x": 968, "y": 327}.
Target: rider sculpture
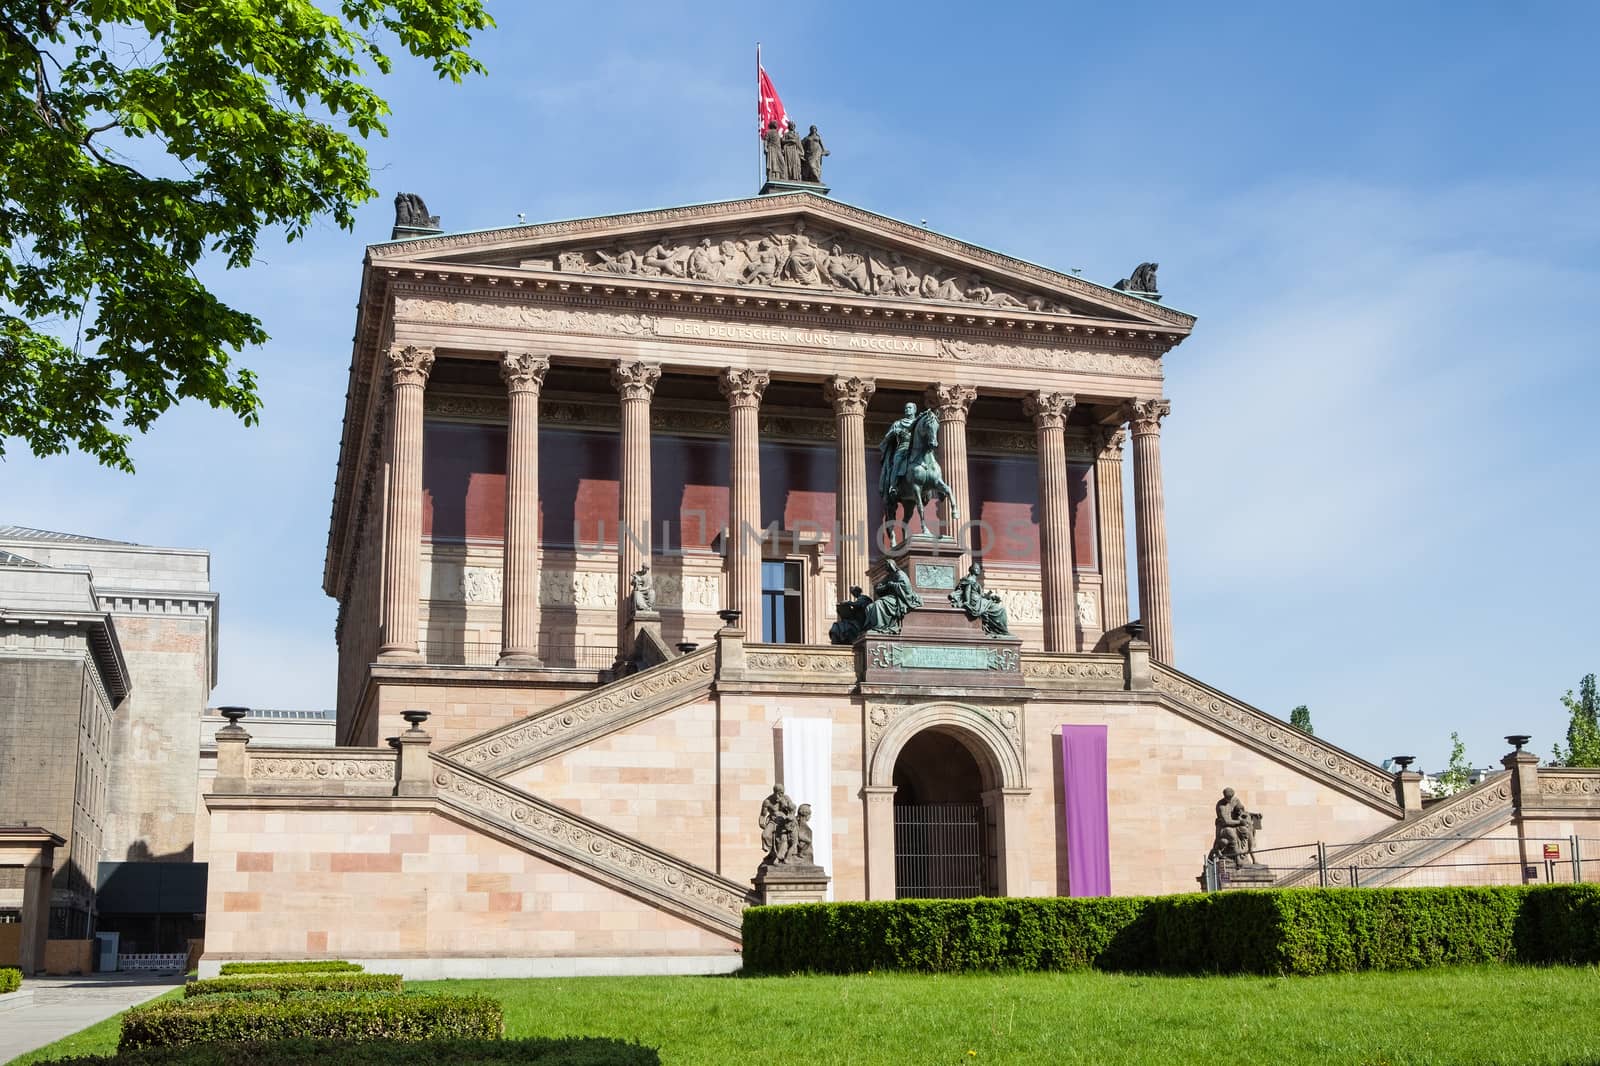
{"x": 910, "y": 477}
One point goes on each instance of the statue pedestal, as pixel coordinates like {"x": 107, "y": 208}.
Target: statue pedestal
{"x": 937, "y": 644}
{"x": 791, "y": 884}
{"x": 1245, "y": 877}
{"x": 778, "y": 188}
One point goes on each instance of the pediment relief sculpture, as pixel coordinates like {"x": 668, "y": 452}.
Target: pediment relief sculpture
{"x": 790, "y": 257}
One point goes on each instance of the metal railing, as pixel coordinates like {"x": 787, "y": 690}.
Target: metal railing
{"x": 555, "y": 655}
{"x": 1497, "y": 860}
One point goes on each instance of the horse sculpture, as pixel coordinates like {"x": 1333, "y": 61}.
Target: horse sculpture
{"x": 911, "y": 478}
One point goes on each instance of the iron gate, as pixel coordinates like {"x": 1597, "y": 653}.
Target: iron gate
{"x": 940, "y": 850}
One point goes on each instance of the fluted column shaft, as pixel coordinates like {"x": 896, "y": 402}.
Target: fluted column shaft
{"x": 1150, "y": 520}
{"x": 1049, "y": 412}
{"x": 743, "y": 389}
{"x": 408, "y": 374}
{"x": 635, "y": 382}
{"x": 523, "y": 373}
{"x": 1113, "y": 530}
{"x": 852, "y": 542}
{"x": 953, "y": 402}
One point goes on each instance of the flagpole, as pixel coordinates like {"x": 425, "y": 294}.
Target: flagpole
{"x": 761, "y": 155}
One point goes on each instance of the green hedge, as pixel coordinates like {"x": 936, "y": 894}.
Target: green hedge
{"x": 230, "y": 969}
{"x": 264, "y": 1016}
{"x": 1275, "y": 931}
{"x": 10, "y": 979}
{"x": 285, "y": 983}
{"x": 538, "y": 1051}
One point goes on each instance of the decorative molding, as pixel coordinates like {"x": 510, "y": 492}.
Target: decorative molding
{"x": 890, "y": 656}
{"x": 848, "y": 395}
{"x": 588, "y": 717}
{"x": 1044, "y": 358}
{"x": 523, "y": 371}
{"x": 1049, "y": 410}
{"x": 1069, "y": 671}
{"x": 813, "y": 664}
{"x": 743, "y": 388}
{"x": 999, "y": 730}
{"x": 1569, "y": 786}
{"x": 594, "y": 849}
{"x": 369, "y": 767}
{"x": 409, "y": 365}
{"x": 1276, "y": 737}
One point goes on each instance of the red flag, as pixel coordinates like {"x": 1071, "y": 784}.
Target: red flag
{"x": 768, "y": 106}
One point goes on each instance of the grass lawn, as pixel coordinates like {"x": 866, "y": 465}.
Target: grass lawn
{"x": 1489, "y": 1014}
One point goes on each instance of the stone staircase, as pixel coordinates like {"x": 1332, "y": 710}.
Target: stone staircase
{"x": 614, "y": 859}
{"x": 589, "y": 716}
{"x": 1417, "y": 841}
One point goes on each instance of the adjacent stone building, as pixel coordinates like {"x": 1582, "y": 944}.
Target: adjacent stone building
{"x": 602, "y": 487}
{"x": 107, "y": 660}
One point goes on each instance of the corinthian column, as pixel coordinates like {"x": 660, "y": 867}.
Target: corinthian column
{"x": 1150, "y": 521}
{"x": 408, "y": 373}
{"x": 519, "y": 621}
{"x": 743, "y": 388}
{"x": 636, "y": 383}
{"x": 849, "y": 398}
{"x": 1113, "y": 532}
{"x": 953, "y": 402}
{"x": 1049, "y": 412}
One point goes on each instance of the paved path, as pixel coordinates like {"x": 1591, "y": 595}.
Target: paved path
{"x": 63, "y": 1005}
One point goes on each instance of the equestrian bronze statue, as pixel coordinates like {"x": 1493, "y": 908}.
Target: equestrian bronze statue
{"x": 910, "y": 477}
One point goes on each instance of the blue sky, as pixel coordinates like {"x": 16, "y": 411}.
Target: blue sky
{"x": 1380, "y": 465}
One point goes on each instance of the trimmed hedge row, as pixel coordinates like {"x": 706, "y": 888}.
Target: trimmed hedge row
{"x": 254, "y": 1016}
{"x": 285, "y": 983}
{"x": 231, "y": 969}
{"x": 1275, "y": 931}
{"x": 537, "y": 1051}
{"x": 10, "y": 979}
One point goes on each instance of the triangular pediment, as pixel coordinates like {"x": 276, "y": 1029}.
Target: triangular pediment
{"x": 797, "y": 244}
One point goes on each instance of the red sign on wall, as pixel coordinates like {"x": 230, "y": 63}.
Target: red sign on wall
{"x": 1552, "y": 851}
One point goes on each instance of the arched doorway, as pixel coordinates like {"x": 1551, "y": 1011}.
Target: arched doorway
{"x": 944, "y": 831}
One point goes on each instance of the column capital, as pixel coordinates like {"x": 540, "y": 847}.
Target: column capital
{"x": 635, "y": 380}
{"x": 743, "y": 388}
{"x": 409, "y": 364}
{"x": 849, "y": 395}
{"x": 1049, "y": 410}
{"x": 1145, "y": 416}
{"x": 1108, "y": 441}
{"x": 523, "y": 371}
{"x": 951, "y": 401}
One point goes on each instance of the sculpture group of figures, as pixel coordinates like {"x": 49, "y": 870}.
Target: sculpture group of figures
{"x": 412, "y": 213}
{"x": 893, "y": 598}
{"x": 774, "y": 258}
{"x": 1234, "y": 846}
{"x": 791, "y": 157}
{"x": 785, "y": 831}
{"x": 1142, "y": 280}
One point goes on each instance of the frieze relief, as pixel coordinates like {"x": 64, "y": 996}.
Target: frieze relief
{"x": 377, "y": 767}
{"x": 1088, "y": 609}
{"x": 534, "y": 317}
{"x": 1073, "y": 670}
{"x": 1023, "y": 606}
{"x": 796, "y": 257}
{"x": 823, "y": 664}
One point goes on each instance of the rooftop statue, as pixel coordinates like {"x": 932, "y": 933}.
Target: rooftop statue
{"x": 811, "y": 164}
{"x": 772, "y": 144}
{"x": 910, "y": 476}
{"x": 1142, "y": 280}
{"x": 412, "y": 213}
{"x": 980, "y": 604}
{"x": 793, "y": 152}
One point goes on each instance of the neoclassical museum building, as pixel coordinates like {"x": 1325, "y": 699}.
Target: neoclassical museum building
{"x": 603, "y": 486}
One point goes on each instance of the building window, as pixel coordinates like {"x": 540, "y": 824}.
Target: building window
{"x": 780, "y": 603}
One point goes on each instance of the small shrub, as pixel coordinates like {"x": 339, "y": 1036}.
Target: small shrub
{"x": 230, "y": 969}
{"x": 285, "y": 983}
{"x": 264, "y": 1015}
{"x": 10, "y": 979}
{"x": 537, "y": 1051}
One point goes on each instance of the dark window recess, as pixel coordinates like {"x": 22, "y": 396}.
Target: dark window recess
{"x": 780, "y": 603}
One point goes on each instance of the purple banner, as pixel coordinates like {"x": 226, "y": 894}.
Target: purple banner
{"x": 1083, "y": 788}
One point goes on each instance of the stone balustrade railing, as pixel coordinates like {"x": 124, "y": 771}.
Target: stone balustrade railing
{"x": 1569, "y": 786}
{"x": 325, "y": 771}
{"x": 622, "y": 861}
{"x": 1276, "y": 738}
{"x": 1442, "y": 826}
{"x": 583, "y": 718}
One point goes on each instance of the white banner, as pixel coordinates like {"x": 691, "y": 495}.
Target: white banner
{"x": 808, "y": 778}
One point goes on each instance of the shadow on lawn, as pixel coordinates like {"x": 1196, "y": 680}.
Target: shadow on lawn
{"x": 531, "y": 1051}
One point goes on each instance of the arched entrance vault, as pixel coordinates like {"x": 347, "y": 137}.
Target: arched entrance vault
{"x": 994, "y": 738}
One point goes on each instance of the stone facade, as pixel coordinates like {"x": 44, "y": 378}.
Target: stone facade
{"x": 534, "y": 413}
